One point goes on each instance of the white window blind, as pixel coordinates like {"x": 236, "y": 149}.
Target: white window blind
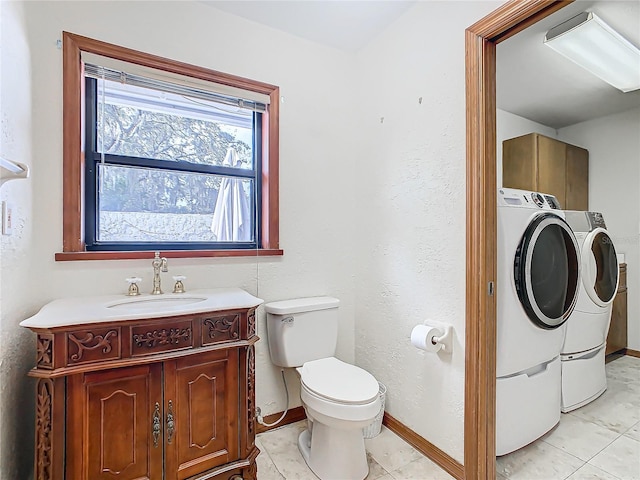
{"x": 97, "y": 66}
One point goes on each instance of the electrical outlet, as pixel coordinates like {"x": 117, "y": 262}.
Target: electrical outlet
{"x": 7, "y": 218}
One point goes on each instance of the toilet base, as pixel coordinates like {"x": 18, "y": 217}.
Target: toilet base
{"x": 334, "y": 454}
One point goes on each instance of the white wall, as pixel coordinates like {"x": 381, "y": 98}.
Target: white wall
{"x": 614, "y": 190}
{"x": 509, "y": 126}
{"x": 411, "y": 235}
{"x": 16, "y": 272}
{"x": 317, "y": 168}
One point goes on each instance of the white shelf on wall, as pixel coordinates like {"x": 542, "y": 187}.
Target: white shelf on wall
{"x": 10, "y": 170}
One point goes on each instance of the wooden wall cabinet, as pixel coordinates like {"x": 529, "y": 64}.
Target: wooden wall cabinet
{"x": 167, "y": 398}
{"x": 617, "y": 336}
{"x": 538, "y": 163}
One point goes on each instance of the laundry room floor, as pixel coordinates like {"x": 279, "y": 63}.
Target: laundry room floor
{"x": 598, "y": 441}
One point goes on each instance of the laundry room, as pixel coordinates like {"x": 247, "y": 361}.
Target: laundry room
{"x": 561, "y": 130}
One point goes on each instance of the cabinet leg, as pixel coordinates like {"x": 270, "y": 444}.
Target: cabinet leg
{"x": 49, "y": 432}
{"x": 251, "y": 472}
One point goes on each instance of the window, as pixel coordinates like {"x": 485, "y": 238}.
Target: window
{"x": 161, "y": 155}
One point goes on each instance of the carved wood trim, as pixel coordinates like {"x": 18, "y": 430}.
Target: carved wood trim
{"x": 223, "y": 327}
{"x": 44, "y": 350}
{"x": 251, "y": 321}
{"x": 84, "y": 344}
{"x": 251, "y": 395}
{"x": 44, "y": 427}
{"x": 251, "y": 472}
{"x": 172, "y": 336}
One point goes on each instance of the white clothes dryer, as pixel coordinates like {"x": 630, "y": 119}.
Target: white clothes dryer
{"x": 583, "y": 351}
{"x": 538, "y": 277}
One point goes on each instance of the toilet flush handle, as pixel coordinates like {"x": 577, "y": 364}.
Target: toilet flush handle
{"x": 287, "y": 320}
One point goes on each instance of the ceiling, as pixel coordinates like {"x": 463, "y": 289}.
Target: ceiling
{"x": 344, "y": 24}
{"x": 533, "y": 81}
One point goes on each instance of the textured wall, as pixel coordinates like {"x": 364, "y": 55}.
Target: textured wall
{"x": 411, "y": 254}
{"x": 614, "y": 180}
{"x": 16, "y": 267}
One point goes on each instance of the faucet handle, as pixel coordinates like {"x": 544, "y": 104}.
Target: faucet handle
{"x": 133, "y": 286}
{"x": 179, "y": 286}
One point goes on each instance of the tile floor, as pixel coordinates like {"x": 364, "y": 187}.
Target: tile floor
{"x": 598, "y": 441}
{"x": 390, "y": 457}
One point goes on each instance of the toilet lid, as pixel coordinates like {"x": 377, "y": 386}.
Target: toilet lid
{"x": 339, "y": 381}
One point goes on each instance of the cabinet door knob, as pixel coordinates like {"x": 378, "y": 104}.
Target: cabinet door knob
{"x": 155, "y": 428}
{"x": 170, "y": 422}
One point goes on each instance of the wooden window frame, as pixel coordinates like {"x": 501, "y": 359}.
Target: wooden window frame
{"x": 73, "y": 244}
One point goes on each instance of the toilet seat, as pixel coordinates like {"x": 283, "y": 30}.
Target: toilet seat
{"x": 335, "y": 381}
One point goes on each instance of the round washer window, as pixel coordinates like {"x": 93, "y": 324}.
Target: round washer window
{"x": 606, "y": 279}
{"x": 546, "y": 271}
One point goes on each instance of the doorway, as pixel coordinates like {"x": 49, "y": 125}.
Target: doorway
{"x": 480, "y": 366}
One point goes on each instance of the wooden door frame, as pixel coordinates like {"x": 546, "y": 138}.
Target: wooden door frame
{"x": 480, "y": 364}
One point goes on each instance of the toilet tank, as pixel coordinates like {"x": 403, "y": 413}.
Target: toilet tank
{"x": 302, "y": 330}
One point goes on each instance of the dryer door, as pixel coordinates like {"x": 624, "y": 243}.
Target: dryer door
{"x": 546, "y": 271}
{"x": 599, "y": 267}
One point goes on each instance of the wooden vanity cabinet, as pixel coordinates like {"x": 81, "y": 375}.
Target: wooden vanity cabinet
{"x": 542, "y": 164}
{"x": 160, "y": 399}
{"x": 617, "y": 336}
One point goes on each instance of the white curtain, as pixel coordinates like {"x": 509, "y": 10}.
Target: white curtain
{"x": 232, "y": 215}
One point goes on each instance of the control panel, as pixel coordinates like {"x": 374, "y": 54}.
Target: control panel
{"x": 596, "y": 219}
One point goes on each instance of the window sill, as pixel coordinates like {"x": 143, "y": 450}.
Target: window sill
{"x": 75, "y": 256}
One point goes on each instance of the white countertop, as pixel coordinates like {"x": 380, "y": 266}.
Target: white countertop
{"x": 109, "y": 308}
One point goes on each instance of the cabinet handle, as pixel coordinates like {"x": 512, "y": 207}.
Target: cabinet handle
{"x": 170, "y": 422}
{"x": 156, "y": 425}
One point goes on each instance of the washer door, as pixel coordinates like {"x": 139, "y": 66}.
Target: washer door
{"x": 600, "y": 275}
{"x": 546, "y": 271}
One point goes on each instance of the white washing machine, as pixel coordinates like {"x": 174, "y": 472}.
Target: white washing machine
{"x": 537, "y": 289}
{"x": 582, "y": 356}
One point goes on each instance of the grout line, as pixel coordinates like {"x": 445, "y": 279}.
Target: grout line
{"x": 266, "y": 452}
{"x": 629, "y": 429}
{"x": 605, "y": 471}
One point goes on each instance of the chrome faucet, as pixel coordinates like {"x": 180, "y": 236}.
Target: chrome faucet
{"x": 159, "y": 265}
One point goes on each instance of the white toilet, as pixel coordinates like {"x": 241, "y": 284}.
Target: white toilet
{"x": 339, "y": 399}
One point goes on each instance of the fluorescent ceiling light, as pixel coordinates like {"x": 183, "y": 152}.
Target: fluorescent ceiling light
{"x": 589, "y": 42}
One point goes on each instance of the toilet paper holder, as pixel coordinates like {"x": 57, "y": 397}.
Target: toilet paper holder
{"x": 433, "y": 337}
{"x": 446, "y": 339}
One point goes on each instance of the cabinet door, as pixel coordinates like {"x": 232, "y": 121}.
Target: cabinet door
{"x": 117, "y": 430}
{"x": 577, "y": 191}
{"x": 552, "y": 168}
{"x": 519, "y": 163}
{"x": 617, "y": 335}
{"x": 201, "y": 396}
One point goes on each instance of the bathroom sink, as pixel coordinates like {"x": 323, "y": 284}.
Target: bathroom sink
{"x": 154, "y": 303}
{"x": 113, "y": 308}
